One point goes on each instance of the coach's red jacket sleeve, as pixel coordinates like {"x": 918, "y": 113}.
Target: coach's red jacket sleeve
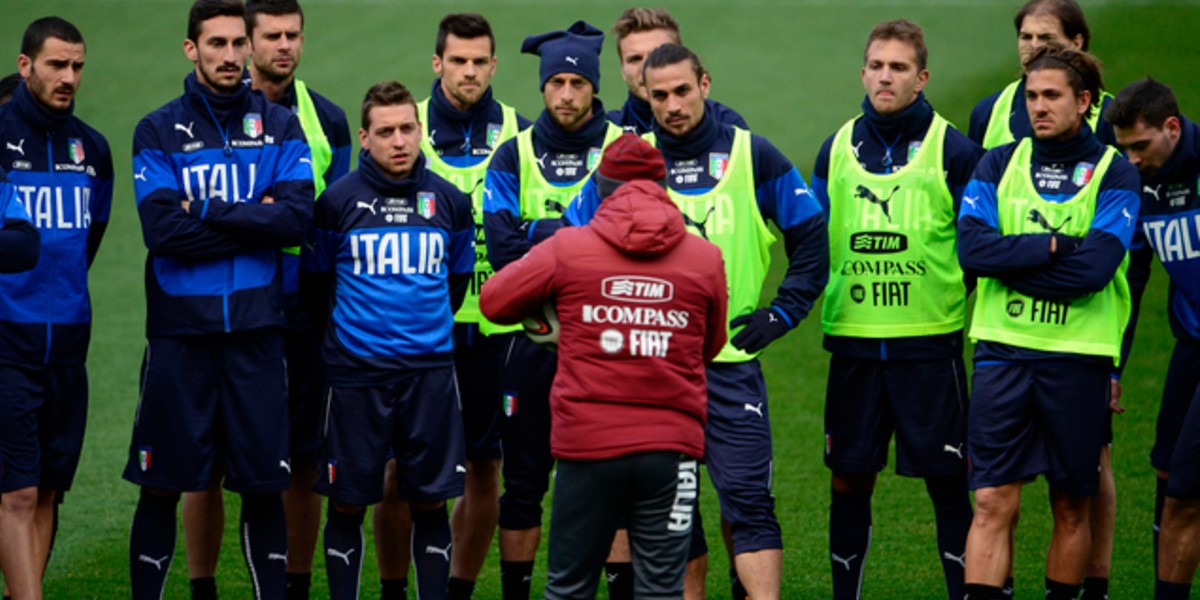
{"x": 518, "y": 289}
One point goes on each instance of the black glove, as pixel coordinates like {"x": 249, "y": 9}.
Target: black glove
{"x": 762, "y": 327}
{"x": 1064, "y": 245}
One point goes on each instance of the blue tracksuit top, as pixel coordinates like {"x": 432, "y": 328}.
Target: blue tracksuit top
{"x": 61, "y": 172}
{"x": 637, "y": 117}
{"x": 216, "y": 267}
{"x": 883, "y": 145}
{"x": 779, "y": 192}
{"x": 1023, "y": 261}
{"x": 1169, "y": 227}
{"x": 394, "y": 259}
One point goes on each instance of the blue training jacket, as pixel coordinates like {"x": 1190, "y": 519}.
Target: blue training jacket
{"x": 61, "y": 172}
{"x": 394, "y": 258}
{"x": 216, "y": 267}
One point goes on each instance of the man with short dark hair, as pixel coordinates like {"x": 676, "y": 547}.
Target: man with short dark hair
{"x": 61, "y": 172}
{"x": 895, "y": 173}
{"x": 392, "y": 238}
{"x": 1046, "y": 225}
{"x": 639, "y": 31}
{"x": 223, "y": 180}
{"x": 530, "y": 180}
{"x": 1165, "y": 147}
{"x": 728, "y": 183}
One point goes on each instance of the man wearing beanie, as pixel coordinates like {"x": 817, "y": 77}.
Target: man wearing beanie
{"x": 896, "y": 342}
{"x": 462, "y": 124}
{"x": 629, "y": 411}
{"x": 728, "y": 183}
{"x": 530, "y": 180}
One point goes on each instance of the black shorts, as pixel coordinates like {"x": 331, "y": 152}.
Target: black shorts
{"x": 1029, "y": 419}
{"x": 212, "y": 399}
{"x": 478, "y": 367}
{"x": 43, "y": 412}
{"x": 417, "y": 417}
{"x": 526, "y": 378}
{"x": 306, "y": 391}
{"x": 923, "y": 402}
{"x": 1177, "y": 438}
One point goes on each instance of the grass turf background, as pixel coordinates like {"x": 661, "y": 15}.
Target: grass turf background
{"x": 789, "y": 66}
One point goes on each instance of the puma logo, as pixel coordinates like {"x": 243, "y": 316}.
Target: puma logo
{"x": 1128, "y": 217}
{"x": 283, "y": 464}
{"x": 1153, "y": 191}
{"x": 572, "y": 60}
{"x": 955, "y": 450}
{"x": 555, "y": 207}
{"x": 1037, "y": 217}
{"x": 187, "y": 130}
{"x": 971, "y": 200}
{"x": 700, "y": 226}
{"x": 960, "y": 559}
{"x": 844, "y": 561}
{"x": 158, "y": 564}
{"x": 140, "y": 175}
{"x": 801, "y": 191}
{"x": 370, "y": 207}
{"x": 432, "y": 134}
{"x": 18, "y": 147}
{"x": 276, "y": 556}
{"x": 756, "y": 409}
{"x": 460, "y": 469}
{"x": 541, "y": 160}
{"x": 444, "y": 552}
{"x": 869, "y": 196}
{"x": 345, "y": 556}
{"x": 307, "y": 161}
{"x": 858, "y": 147}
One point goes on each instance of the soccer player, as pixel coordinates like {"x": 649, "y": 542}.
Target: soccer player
{"x": 891, "y": 181}
{"x": 462, "y": 124}
{"x": 728, "y": 183}
{"x": 645, "y": 380}
{"x": 223, "y": 180}
{"x": 1165, "y": 147}
{"x": 1001, "y": 117}
{"x": 393, "y": 252}
{"x": 61, "y": 172}
{"x": 1046, "y": 225}
{"x": 639, "y": 31}
{"x": 529, "y": 182}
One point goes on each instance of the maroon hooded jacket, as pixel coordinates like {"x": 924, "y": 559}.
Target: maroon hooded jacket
{"x": 642, "y": 308}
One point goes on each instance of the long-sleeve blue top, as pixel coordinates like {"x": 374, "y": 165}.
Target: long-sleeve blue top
{"x": 19, "y": 239}
{"x": 61, "y": 172}
{"x": 389, "y": 262}
{"x": 883, "y": 145}
{"x": 1024, "y": 262}
{"x": 780, "y": 194}
{"x": 216, "y": 267}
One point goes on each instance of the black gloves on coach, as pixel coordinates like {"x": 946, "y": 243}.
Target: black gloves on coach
{"x": 762, "y": 327}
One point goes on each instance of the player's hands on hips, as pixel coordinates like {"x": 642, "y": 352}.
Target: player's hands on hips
{"x": 762, "y": 327}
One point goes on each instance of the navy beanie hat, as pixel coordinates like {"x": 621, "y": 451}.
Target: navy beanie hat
{"x": 576, "y": 50}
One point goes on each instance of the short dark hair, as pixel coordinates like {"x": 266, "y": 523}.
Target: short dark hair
{"x": 672, "y": 54}
{"x": 1149, "y": 101}
{"x": 640, "y": 18}
{"x": 385, "y": 93}
{"x": 8, "y": 85}
{"x": 463, "y": 25}
{"x": 905, "y": 31}
{"x": 273, "y": 8}
{"x": 203, "y": 10}
{"x": 1068, "y": 13}
{"x": 1082, "y": 70}
{"x": 48, "y": 27}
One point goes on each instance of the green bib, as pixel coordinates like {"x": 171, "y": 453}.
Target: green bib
{"x": 541, "y": 199}
{"x": 318, "y": 144}
{"x": 469, "y": 180}
{"x": 998, "y": 133}
{"x": 728, "y": 216}
{"x": 893, "y": 260}
{"x": 1094, "y": 324}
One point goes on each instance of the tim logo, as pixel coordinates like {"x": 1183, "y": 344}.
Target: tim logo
{"x": 636, "y": 288}
{"x": 1037, "y": 217}
{"x": 869, "y": 196}
{"x": 878, "y": 242}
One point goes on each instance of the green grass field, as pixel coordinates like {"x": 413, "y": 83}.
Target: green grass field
{"x": 789, "y": 66}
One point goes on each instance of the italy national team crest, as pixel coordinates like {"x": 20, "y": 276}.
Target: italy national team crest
{"x": 75, "y": 149}
{"x": 594, "y": 158}
{"x": 510, "y": 404}
{"x": 493, "y": 134}
{"x": 1083, "y": 174}
{"x": 717, "y": 163}
{"x": 252, "y": 125}
{"x": 144, "y": 458}
{"x": 332, "y": 471}
{"x": 427, "y": 204}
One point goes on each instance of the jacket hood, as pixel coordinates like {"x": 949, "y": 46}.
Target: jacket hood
{"x": 639, "y": 219}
